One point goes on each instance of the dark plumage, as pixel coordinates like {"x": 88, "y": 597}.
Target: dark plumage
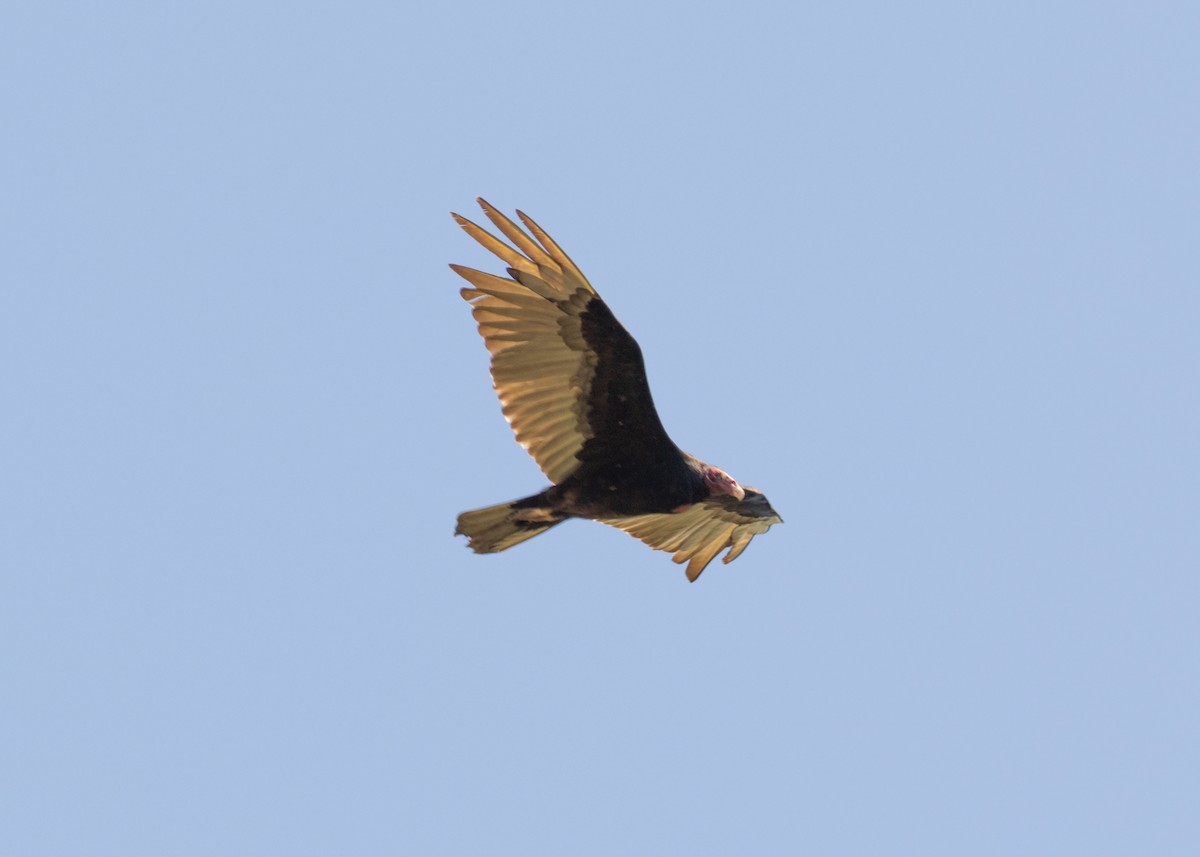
{"x": 573, "y": 386}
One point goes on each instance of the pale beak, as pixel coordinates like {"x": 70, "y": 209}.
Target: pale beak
{"x": 738, "y": 491}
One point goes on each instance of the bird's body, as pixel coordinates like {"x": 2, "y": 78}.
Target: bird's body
{"x": 573, "y": 386}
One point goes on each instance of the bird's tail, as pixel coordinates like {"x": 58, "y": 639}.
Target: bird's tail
{"x": 499, "y": 527}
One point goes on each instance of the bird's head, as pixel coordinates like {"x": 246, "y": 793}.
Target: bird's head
{"x": 720, "y": 482}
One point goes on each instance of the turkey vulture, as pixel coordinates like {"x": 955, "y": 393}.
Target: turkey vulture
{"x": 574, "y": 389}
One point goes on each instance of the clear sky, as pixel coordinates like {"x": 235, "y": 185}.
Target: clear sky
{"x": 926, "y": 276}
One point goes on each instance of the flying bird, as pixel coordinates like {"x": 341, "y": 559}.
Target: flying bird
{"x": 573, "y": 387}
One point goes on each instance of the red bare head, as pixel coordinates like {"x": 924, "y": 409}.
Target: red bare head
{"x": 720, "y": 482}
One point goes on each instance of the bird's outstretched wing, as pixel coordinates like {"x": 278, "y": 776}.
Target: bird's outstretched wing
{"x": 700, "y": 532}
{"x": 567, "y": 373}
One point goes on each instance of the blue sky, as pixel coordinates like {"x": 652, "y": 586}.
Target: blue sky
{"x": 926, "y": 276}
